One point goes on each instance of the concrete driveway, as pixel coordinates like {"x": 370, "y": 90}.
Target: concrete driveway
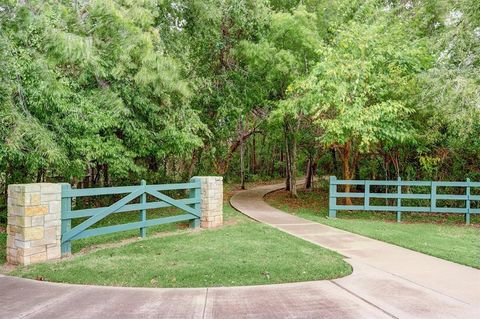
{"x": 400, "y": 282}
{"x": 387, "y": 282}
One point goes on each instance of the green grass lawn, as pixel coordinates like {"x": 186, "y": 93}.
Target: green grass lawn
{"x": 243, "y": 252}
{"x": 444, "y": 236}
{"x": 85, "y": 244}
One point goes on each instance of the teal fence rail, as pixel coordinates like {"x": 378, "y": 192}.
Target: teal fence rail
{"x": 466, "y": 199}
{"x": 190, "y": 205}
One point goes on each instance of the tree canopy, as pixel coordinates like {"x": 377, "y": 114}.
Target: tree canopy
{"x": 102, "y": 93}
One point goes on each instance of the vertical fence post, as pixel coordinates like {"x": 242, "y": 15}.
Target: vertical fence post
{"x": 143, "y": 212}
{"x": 366, "y": 199}
{"x": 433, "y": 197}
{"x": 467, "y": 203}
{"x": 196, "y": 193}
{"x": 66, "y": 247}
{"x": 399, "y": 200}
{"x": 332, "y": 202}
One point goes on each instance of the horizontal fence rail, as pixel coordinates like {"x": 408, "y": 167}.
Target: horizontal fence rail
{"x": 190, "y": 205}
{"x": 432, "y": 197}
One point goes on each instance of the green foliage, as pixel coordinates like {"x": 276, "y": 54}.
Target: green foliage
{"x": 450, "y": 96}
{"x": 286, "y": 51}
{"x": 109, "y": 92}
{"x": 90, "y": 84}
{"x": 359, "y": 91}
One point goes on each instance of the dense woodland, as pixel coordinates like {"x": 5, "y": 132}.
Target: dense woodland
{"x": 100, "y": 93}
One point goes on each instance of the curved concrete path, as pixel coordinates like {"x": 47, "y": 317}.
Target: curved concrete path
{"x": 388, "y": 282}
{"x": 400, "y": 282}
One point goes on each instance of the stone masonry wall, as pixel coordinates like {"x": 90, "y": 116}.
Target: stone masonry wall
{"x": 212, "y": 201}
{"x": 34, "y": 223}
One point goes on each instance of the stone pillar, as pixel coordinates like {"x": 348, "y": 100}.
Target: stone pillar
{"x": 34, "y": 223}
{"x": 212, "y": 201}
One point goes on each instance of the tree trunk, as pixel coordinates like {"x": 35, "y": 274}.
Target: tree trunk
{"x": 165, "y": 167}
{"x": 261, "y": 160}
{"x": 291, "y": 155}
{"x": 287, "y": 158}
{"x": 334, "y": 161}
{"x": 293, "y": 160}
{"x": 314, "y": 170}
{"x": 272, "y": 167}
{"x": 309, "y": 175}
{"x": 39, "y": 176}
{"x": 347, "y": 175}
{"x": 242, "y": 150}
{"x": 287, "y": 173}
{"x": 254, "y": 156}
{"x": 191, "y": 167}
{"x": 98, "y": 174}
{"x": 106, "y": 176}
{"x": 174, "y": 167}
{"x": 281, "y": 170}
{"x": 221, "y": 165}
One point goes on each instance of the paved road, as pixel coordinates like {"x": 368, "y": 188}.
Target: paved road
{"x": 388, "y": 282}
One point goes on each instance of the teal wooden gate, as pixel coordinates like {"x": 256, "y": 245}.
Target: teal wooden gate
{"x": 190, "y": 205}
{"x": 432, "y": 197}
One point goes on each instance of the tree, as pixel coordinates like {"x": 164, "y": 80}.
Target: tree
{"x": 286, "y": 51}
{"x": 450, "y": 97}
{"x": 102, "y": 93}
{"x": 90, "y": 88}
{"x": 207, "y": 42}
{"x": 359, "y": 90}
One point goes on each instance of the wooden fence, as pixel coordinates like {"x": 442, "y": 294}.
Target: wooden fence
{"x": 432, "y": 197}
{"x": 190, "y": 205}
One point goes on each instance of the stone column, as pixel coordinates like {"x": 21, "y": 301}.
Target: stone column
{"x": 212, "y": 201}
{"x": 34, "y": 223}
